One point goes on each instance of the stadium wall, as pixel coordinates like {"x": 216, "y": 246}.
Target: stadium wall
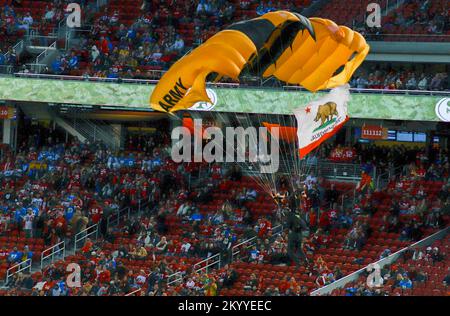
{"x": 246, "y": 100}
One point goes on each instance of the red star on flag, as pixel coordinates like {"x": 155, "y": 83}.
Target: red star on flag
{"x": 308, "y": 110}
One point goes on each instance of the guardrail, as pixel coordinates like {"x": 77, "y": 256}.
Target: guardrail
{"x": 340, "y": 171}
{"x": 407, "y": 37}
{"x": 174, "y": 278}
{"x": 42, "y": 41}
{"x": 22, "y": 266}
{"x": 53, "y": 252}
{"x": 348, "y": 194}
{"x": 381, "y": 263}
{"x": 84, "y": 234}
{"x": 235, "y": 250}
{"x": 34, "y": 67}
{"x": 206, "y": 263}
{"x": 227, "y": 85}
{"x": 133, "y": 292}
{"x": 6, "y": 69}
{"x": 114, "y": 218}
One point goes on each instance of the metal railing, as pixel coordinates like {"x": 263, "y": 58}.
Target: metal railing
{"x": 114, "y": 218}
{"x": 348, "y": 194}
{"x": 133, "y": 292}
{"x": 383, "y": 179}
{"x": 36, "y": 68}
{"x": 174, "y": 278}
{"x": 340, "y": 171}
{"x": 52, "y": 252}
{"x": 208, "y": 262}
{"x": 42, "y": 41}
{"x": 228, "y": 85}
{"x": 406, "y": 37}
{"x": 6, "y": 69}
{"x": 22, "y": 266}
{"x": 202, "y": 266}
{"x": 246, "y": 244}
{"x": 84, "y": 234}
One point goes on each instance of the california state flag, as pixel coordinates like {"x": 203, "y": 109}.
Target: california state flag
{"x": 321, "y": 119}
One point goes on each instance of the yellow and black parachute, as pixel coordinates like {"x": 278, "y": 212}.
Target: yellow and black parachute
{"x": 281, "y": 44}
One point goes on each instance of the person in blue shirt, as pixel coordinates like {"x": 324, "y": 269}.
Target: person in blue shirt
{"x": 131, "y": 33}
{"x": 19, "y": 213}
{"x": 196, "y": 216}
{"x": 345, "y": 221}
{"x": 2, "y": 58}
{"x": 405, "y": 282}
{"x": 261, "y": 9}
{"x": 70, "y": 211}
{"x": 26, "y": 254}
{"x": 73, "y": 61}
{"x": 254, "y": 253}
{"x": 112, "y": 74}
{"x": 56, "y": 66}
{"x": 15, "y": 256}
{"x": 350, "y": 291}
{"x": 35, "y": 210}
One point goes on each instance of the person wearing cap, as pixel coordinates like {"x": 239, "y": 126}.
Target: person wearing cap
{"x": 405, "y": 282}
{"x": 14, "y": 256}
{"x": 26, "y": 253}
{"x": 436, "y": 255}
{"x": 28, "y": 223}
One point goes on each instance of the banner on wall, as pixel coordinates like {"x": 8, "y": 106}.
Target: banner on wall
{"x": 374, "y": 132}
{"x": 243, "y": 100}
{"x": 343, "y": 154}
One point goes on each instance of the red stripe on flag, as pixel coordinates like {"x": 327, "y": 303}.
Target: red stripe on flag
{"x": 306, "y": 150}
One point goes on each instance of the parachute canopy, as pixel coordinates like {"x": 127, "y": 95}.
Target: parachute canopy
{"x": 281, "y": 44}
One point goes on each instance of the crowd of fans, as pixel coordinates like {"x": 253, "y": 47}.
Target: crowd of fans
{"x": 415, "y": 18}
{"x": 419, "y": 271}
{"x": 400, "y": 79}
{"x": 142, "y": 44}
{"x": 53, "y": 190}
{"x": 19, "y": 18}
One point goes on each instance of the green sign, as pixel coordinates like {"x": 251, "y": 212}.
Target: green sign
{"x": 249, "y": 100}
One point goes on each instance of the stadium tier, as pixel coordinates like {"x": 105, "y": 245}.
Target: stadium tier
{"x": 224, "y": 148}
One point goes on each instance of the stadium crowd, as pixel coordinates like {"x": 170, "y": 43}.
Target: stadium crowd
{"x": 392, "y": 79}
{"x": 145, "y": 42}
{"x": 182, "y": 214}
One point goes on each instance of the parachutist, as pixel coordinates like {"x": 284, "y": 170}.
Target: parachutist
{"x": 279, "y": 198}
{"x": 296, "y": 225}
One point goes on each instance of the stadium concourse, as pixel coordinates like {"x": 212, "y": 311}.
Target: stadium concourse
{"x": 181, "y": 214}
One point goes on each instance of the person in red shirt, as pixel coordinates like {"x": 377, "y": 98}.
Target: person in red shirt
{"x": 96, "y": 213}
{"x": 325, "y": 220}
{"x": 264, "y": 227}
{"x": 87, "y": 248}
{"x": 104, "y": 276}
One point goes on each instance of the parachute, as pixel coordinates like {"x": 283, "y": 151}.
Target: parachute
{"x": 314, "y": 53}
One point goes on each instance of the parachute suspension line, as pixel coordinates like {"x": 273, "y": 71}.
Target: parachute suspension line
{"x": 290, "y": 158}
{"x": 265, "y": 178}
{"x": 272, "y": 177}
{"x": 252, "y": 170}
